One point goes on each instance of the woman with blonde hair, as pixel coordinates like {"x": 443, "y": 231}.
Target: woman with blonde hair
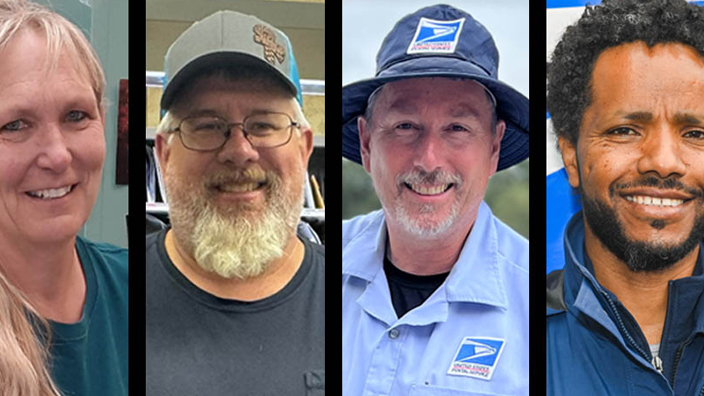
{"x": 63, "y": 299}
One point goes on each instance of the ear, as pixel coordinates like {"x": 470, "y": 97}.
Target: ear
{"x": 496, "y": 144}
{"x": 569, "y": 159}
{"x": 163, "y": 150}
{"x": 306, "y": 144}
{"x": 364, "y": 142}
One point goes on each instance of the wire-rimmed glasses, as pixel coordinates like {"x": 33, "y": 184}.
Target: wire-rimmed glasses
{"x": 262, "y": 130}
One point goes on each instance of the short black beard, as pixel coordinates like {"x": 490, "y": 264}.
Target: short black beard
{"x": 638, "y": 256}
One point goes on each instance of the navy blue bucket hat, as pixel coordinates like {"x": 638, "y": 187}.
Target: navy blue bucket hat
{"x": 440, "y": 41}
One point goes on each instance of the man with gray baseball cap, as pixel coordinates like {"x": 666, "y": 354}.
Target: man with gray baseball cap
{"x": 235, "y": 300}
{"x": 434, "y": 287}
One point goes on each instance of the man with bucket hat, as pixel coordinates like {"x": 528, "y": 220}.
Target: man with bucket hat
{"x": 434, "y": 287}
{"x": 235, "y": 300}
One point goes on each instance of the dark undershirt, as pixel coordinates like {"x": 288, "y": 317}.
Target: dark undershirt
{"x": 407, "y": 290}
{"x": 201, "y": 344}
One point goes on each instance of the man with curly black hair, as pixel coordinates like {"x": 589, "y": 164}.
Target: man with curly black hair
{"x": 626, "y": 94}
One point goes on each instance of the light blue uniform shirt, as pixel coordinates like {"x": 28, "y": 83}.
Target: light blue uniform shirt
{"x": 470, "y": 337}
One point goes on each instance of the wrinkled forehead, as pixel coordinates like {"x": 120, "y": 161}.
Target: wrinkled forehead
{"x": 640, "y": 62}
{"x": 636, "y": 78}
{"x": 54, "y": 52}
{"x": 408, "y": 96}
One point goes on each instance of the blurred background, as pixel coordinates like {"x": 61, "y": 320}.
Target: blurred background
{"x": 365, "y": 23}
{"x": 105, "y": 25}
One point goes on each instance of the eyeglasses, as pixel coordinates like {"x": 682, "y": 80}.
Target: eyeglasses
{"x": 262, "y": 130}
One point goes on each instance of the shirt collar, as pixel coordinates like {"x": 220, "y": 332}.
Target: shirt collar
{"x": 363, "y": 256}
{"x": 576, "y": 254}
{"x": 474, "y": 278}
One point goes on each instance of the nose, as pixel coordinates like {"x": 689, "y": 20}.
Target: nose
{"x": 237, "y": 149}
{"x": 54, "y": 151}
{"x": 430, "y": 152}
{"x": 661, "y": 154}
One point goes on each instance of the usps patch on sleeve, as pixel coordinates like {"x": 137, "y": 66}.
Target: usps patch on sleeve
{"x": 436, "y": 36}
{"x": 477, "y": 357}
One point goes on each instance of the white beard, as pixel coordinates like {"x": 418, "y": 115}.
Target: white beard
{"x": 236, "y": 242}
{"x": 417, "y": 225}
{"x": 421, "y": 224}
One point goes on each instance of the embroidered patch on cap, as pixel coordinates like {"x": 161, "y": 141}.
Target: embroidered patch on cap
{"x": 436, "y": 36}
{"x": 477, "y": 357}
{"x": 272, "y": 50}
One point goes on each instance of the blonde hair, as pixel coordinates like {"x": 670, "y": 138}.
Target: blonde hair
{"x": 25, "y": 336}
{"x": 23, "y": 354}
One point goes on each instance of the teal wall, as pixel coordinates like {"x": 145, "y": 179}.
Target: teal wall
{"x": 105, "y": 23}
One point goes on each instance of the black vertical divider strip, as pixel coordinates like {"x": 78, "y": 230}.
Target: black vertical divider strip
{"x": 537, "y": 198}
{"x": 333, "y": 194}
{"x": 137, "y": 195}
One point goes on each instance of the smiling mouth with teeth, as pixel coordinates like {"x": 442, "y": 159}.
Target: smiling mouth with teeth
{"x": 240, "y": 187}
{"x": 654, "y": 201}
{"x": 51, "y": 193}
{"x": 433, "y": 190}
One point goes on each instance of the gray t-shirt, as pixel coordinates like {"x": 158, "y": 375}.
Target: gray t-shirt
{"x": 199, "y": 344}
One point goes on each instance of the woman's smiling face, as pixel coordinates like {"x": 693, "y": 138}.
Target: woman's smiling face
{"x": 52, "y": 143}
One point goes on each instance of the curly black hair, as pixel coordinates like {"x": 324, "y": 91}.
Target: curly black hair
{"x": 613, "y": 23}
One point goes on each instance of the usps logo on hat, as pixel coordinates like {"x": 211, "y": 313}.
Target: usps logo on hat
{"x": 436, "y": 36}
{"x": 477, "y": 357}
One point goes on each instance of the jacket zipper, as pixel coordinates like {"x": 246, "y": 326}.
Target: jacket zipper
{"x": 623, "y": 328}
{"x": 657, "y": 363}
{"x": 676, "y": 363}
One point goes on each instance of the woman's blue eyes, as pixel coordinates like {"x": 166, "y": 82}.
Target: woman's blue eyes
{"x": 75, "y": 116}
{"x": 14, "y": 126}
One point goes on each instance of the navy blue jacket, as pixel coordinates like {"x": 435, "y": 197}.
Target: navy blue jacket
{"x": 595, "y": 346}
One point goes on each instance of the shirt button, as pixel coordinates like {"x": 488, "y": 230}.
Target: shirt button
{"x": 393, "y": 334}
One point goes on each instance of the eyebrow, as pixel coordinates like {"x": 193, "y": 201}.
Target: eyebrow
{"x": 203, "y": 112}
{"x": 404, "y": 107}
{"x": 463, "y": 110}
{"x": 679, "y": 118}
{"x": 687, "y": 118}
{"x": 23, "y": 106}
{"x": 639, "y": 116}
{"x": 215, "y": 113}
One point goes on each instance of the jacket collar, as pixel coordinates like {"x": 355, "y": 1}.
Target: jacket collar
{"x": 582, "y": 290}
{"x": 475, "y": 277}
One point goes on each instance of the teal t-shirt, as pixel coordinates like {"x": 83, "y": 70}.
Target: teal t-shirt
{"x": 90, "y": 357}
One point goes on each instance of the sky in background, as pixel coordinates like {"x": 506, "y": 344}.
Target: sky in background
{"x": 365, "y": 23}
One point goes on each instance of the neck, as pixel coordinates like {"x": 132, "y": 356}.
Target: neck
{"x": 643, "y": 294}
{"x": 49, "y": 275}
{"x": 278, "y": 274}
{"x": 423, "y": 256}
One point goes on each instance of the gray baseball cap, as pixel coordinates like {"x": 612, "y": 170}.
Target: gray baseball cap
{"x": 228, "y": 37}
